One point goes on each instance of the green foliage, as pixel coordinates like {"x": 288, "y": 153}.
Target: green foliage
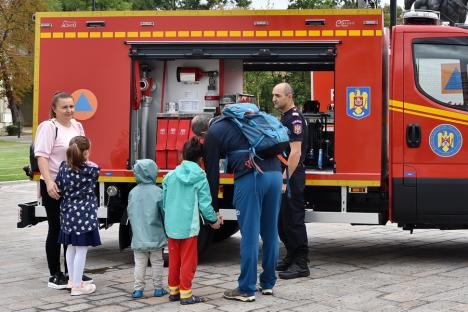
{"x": 312, "y": 4}
{"x": 122, "y": 5}
{"x": 12, "y": 129}
{"x": 387, "y": 15}
{"x": 261, "y": 84}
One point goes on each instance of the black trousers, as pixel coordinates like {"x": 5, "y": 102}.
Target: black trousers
{"x": 291, "y": 227}
{"x": 52, "y": 246}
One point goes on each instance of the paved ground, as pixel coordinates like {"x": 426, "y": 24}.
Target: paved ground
{"x": 360, "y": 268}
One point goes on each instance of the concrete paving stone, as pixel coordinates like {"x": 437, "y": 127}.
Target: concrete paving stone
{"x": 110, "y": 308}
{"x": 111, "y": 301}
{"x": 440, "y": 306}
{"x": 77, "y": 300}
{"x": 461, "y": 307}
{"x": 51, "y": 306}
{"x": 133, "y": 305}
{"x": 27, "y": 310}
{"x": 459, "y": 295}
{"x": 25, "y": 304}
{"x": 77, "y": 307}
{"x": 318, "y": 307}
{"x": 112, "y": 294}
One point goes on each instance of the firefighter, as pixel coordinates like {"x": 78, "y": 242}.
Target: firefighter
{"x": 291, "y": 227}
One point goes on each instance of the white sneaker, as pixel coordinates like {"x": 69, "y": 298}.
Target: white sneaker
{"x": 84, "y": 290}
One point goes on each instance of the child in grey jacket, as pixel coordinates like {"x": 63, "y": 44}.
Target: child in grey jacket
{"x": 146, "y": 218}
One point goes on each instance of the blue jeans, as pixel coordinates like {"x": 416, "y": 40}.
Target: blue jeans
{"x": 257, "y": 200}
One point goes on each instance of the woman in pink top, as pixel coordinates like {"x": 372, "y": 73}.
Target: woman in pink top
{"x": 50, "y": 147}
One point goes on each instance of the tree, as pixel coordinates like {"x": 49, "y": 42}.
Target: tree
{"x": 121, "y": 5}
{"x": 16, "y": 51}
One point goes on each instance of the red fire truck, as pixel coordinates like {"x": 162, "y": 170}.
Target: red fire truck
{"x": 386, "y": 142}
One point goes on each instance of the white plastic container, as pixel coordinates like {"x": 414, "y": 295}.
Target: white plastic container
{"x": 190, "y": 106}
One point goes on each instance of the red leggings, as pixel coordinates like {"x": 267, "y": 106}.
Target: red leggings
{"x": 183, "y": 259}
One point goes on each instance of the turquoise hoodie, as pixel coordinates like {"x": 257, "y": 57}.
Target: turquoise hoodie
{"x": 186, "y": 194}
{"x": 145, "y": 208}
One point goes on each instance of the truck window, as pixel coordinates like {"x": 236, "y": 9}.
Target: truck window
{"x": 441, "y": 73}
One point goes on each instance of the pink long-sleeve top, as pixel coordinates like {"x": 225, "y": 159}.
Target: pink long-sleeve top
{"x": 55, "y": 148}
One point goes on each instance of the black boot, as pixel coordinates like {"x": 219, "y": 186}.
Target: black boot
{"x": 298, "y": 268}
{"x": 284, "y": 263}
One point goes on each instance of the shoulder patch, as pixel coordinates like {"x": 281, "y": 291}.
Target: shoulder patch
{"x": 295, "y": 114}
{"x": 297, "y": 128}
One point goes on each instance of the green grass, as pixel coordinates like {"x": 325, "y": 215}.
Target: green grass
{"x": 13, "y": 157}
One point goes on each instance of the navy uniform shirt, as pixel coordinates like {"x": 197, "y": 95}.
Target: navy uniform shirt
{"x": 297, "y": 125}
{"x": 222, "y": 138}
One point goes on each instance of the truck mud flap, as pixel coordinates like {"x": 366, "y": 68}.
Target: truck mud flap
{"x": 125, "y": 232}
{"x": 27, "y": 215}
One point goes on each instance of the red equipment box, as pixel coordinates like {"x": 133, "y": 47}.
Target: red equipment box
{"x": 161, "y": 141}
{"x": 171, "y": 146}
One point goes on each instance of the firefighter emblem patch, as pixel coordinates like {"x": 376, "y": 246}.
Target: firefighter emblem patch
{"x": 445, "y": 140}
{"x": 297, "y": 128}
{"x": 358, "y": 102}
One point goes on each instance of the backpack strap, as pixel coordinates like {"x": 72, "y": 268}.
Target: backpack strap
{"x": 56, "y": 128}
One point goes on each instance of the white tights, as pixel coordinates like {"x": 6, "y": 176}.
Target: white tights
{"x": 76, "y": 259}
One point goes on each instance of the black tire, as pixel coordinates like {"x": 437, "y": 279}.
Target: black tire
{"x": 225, "y": 231}
{"x": 205, "y": 237}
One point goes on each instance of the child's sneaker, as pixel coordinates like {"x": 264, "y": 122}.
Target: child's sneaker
{"x": 85, "y": 289}
{"x": 159, "y": 292}
{"x": 173, "y": 298}
{"x": 236, "y": 294}
{"x": 137, "y": 294}
{"x": 192, "y": 300}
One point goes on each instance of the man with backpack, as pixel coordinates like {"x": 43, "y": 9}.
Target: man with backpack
{"x": 291, "y": 225}
{"x": 257, "y": 193}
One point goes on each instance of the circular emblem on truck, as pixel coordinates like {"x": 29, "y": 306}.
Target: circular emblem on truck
{"x": 85, "y": 104}
{"x": 445, "y": 140}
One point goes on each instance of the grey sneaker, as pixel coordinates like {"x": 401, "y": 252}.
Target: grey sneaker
{"x": 236, "y": 294}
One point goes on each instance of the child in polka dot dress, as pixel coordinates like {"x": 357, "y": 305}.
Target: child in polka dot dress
{"x": 79, "y": 226}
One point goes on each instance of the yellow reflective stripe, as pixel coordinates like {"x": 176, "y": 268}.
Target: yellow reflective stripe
{"x": 274, "y": 33}
{"x": 185, "y": 293}
{"x": 314, "y": 33}
{"x": 314, "y": 182}
{"x": 429, "y": 110}
{"x": 301, "y": 33}
{"x": 409, "y": 112}
{"x": 341, "y": 33}
{"x": 211, "y": 33}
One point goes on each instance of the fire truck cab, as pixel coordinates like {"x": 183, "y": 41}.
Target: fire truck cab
{"x": 386, "y": 141}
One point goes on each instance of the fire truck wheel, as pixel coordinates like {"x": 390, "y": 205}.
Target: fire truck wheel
{"x": 225, "y": 231}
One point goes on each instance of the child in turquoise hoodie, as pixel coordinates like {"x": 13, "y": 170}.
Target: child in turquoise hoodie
{"x": 146, "y": 218}
{"x": 186, "y": 195}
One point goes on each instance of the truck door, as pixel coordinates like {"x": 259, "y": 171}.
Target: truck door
{"x": 435, "y": 106}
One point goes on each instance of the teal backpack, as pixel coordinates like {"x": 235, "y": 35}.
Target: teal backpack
{"x": 266, "y": 135}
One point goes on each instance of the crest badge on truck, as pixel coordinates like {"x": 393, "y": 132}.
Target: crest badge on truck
{"x": 358, "y": 102}
{"x": 445, "y": 140}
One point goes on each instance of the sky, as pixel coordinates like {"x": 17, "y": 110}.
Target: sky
{"x": 283, "y": 4}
